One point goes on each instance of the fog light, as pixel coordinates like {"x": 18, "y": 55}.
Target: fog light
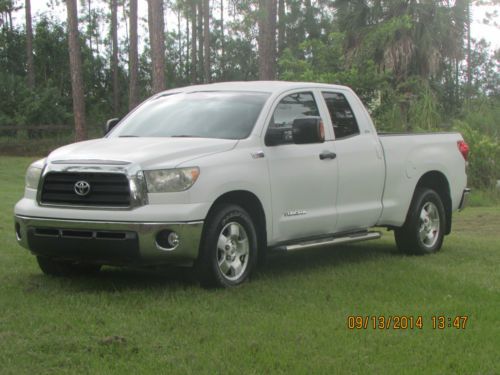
{"x": 167, "y": 239}
{"x": 18, "y": 232}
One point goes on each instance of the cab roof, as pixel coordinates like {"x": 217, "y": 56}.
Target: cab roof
{"x": 255, "y": 86}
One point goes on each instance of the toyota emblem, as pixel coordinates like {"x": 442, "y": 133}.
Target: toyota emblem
{"x": 81, "y": 188}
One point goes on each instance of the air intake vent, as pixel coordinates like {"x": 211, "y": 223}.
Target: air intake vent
{"x": 86, "y": 189}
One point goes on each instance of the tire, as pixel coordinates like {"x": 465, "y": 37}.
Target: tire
{"x": 423, "y": 231}
{"x": 228, "y": 251}
{"x": 64, "y": 268}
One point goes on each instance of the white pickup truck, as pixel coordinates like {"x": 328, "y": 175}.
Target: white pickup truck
{"x": 214, "y": 176}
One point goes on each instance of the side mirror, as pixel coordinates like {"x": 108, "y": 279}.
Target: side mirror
{"x": 308, "y": 130}
{"x": 274, "y": 137}
{"x": 110, "y": 124}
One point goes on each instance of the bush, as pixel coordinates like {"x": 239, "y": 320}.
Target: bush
{"x": 484, "y": 156}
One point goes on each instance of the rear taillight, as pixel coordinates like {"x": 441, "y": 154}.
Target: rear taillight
{"x": 463, "y": 147}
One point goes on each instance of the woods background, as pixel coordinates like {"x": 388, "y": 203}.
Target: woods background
{"x": 413, "y": 63}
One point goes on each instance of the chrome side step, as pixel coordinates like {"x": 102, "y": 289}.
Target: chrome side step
{"x": 354, "y": 237}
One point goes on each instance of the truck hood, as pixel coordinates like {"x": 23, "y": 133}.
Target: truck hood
{"x": 149, "y": 153}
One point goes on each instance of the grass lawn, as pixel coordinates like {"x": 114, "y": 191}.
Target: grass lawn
{"x": 291, "y": 318}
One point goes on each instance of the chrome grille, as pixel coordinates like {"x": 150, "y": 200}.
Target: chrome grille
{"x": 106, "y": 189}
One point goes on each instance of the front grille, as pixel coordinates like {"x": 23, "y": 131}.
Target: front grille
{"x": 106, "y": 189}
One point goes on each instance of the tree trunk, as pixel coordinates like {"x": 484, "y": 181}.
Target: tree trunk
{"x": 281, "y": 26}
{"x": 179, "y": 39}
{"x": 222, "y": 42}
{"x": 29, "y": 47}
{"x": 157, "y": 40}
{"x": 267, "y": 39}
{"x": 200, "y": 40}
{"x": 133, "y": 58}
{"x": 469, "y": 60}
{"x": 75, "y": 59}
{"x": 206, "y": 40}
{"x": 114, "y": 56}
{"x": 11, "y": 24}
{"x": 188, "y": 41}
{"x": 194, "y": 56}
{"x": 89, "y": 21}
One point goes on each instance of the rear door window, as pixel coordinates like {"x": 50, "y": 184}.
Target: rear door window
{"x": 342, "y": 117}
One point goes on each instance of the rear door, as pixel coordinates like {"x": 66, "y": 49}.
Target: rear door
{"x": 303, "y": 185}
{"x": 361, "y": 166}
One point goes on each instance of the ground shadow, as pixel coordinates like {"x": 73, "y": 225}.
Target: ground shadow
{"x": 282, "y": 263}
{"x": 114, "y": 279}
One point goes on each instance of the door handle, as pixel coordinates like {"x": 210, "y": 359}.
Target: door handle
{"x": 327, "y": 155}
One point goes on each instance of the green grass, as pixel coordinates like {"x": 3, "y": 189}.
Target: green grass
{"x": 485, "y": 198}
{"x": 291, "y": 318}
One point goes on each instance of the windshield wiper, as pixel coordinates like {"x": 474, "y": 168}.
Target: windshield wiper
{"x": 185, "y": 136}
{"x": 128, "y": 136}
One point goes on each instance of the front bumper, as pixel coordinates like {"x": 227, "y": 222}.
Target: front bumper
{"x": 113, "y": 243}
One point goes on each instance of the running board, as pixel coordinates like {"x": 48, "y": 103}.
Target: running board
{"x": 354, "y": 237}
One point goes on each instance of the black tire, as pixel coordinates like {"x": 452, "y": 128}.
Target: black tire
{"x": 220, "y": 223}
{"x": 65, "y": 268}
{"x": 423, "y": 230}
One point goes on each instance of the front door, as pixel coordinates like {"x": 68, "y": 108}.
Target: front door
{"x": 303, "y": 184}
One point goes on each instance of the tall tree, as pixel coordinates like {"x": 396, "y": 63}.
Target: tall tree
{"x": 157, "y": 40}
{"x": 194, "y": 55}
{"x": 114, "y": 55}
{"x": 469, "y": 53}
{"x": 133, "y": 58}
{"x": 206, "y": 40}
{"x": 179, "y": 36}
{"x": 222, "y": 41}
{"x": 281, "y": 26}
{"x": 7, "y": 7}
{"x": 267, "y": 39}
{"x": 29, "y": 47}
{"x": 188, "y": 41}
{"x": 200, "y": 39}
{"x": 90, "y": 28}
{"x": 75, "y": 59}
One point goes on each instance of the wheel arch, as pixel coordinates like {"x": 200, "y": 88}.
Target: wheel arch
{"x": 252, "y": 204}
{"x": 437, "y": 181}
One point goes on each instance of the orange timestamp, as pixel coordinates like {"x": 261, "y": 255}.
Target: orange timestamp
{"x": 405, "y": 322}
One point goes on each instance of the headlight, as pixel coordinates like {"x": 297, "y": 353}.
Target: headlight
{"x": 171, "y": 180}
{"x": 33, "y": 174}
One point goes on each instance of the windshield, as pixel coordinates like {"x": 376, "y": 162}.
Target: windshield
{"x": 228, "y": 115}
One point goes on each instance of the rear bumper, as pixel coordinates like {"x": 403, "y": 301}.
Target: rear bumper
{"x": 465, "y": 199}
{"x": 113, "y": 243}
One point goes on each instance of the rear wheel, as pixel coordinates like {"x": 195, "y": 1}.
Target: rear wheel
{"x": 65, "y": 268}
{"x": 423, "y": 230}
{"x": 228, "y": 252}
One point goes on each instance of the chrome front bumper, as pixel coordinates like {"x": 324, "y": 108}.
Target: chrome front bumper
{"x": 114, "y": 243}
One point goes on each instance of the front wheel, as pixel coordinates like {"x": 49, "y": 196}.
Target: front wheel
{"x": 423, "y": 230}
{"x": 228, "y": 252}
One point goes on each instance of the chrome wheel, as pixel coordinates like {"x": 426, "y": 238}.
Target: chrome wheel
{"x": 429, "y": 224}
{"x": 232, "y": 251}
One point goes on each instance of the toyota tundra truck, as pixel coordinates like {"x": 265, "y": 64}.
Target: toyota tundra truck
{"x": 215, "y": 176}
